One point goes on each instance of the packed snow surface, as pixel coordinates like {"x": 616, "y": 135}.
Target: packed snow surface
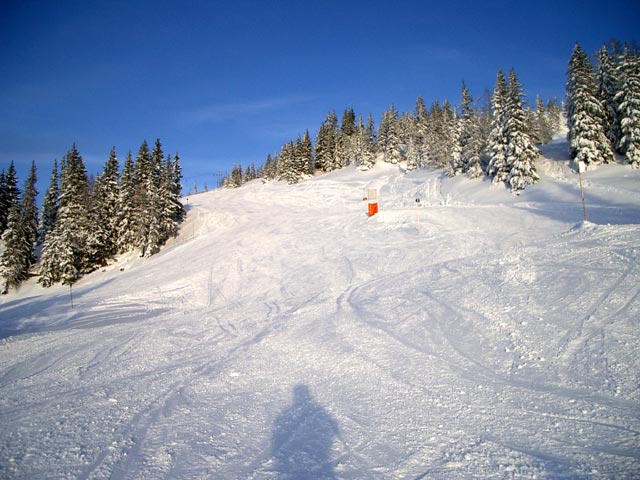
{"x": 285, "y": 334}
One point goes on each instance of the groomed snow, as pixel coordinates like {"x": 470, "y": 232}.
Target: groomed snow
{"x": 284, "y": 334}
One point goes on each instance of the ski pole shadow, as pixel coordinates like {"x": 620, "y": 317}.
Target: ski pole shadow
{"x": 302, "y": 439}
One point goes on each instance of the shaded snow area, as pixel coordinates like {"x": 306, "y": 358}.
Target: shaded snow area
{"x": 285, "y": 334}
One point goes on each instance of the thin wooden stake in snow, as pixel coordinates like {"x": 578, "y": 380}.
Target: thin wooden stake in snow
{"x": 581, "y": 168}
{"x": 71, "y": 294}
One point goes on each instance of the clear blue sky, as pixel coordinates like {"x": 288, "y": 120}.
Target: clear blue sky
{"x": 230, "y": 81}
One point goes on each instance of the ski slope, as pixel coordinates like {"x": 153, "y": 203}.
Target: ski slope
{"x": 284, "y": 334}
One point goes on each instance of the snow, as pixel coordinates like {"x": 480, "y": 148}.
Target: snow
{"x": 284, "y": 334}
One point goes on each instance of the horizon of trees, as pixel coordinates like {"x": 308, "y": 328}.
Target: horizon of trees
{"x": 461, "y": 140}
{"x": 85, "y": 222}
{"x": 496, "y": 138}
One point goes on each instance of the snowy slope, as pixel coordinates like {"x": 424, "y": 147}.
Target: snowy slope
{"x": 284, "y": 334}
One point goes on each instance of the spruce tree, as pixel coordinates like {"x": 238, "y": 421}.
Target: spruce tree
{"x": 307, "y": 154}
{"x": 12, "y": 262}
{"x": 543, "y": 123}
{"x": 65, "y": 256}
{"x": 366, "y": 143}
{"x": 608, "y": 85}
{"x": 585, "y": 114}
{"x": 176, "y": 180}
{"x": 29, "y": 216}
{"x": 469, "y": 139}
{"x": 103, "y": 239}
{"x": 497, "y": 168}
{"x": 9, "y": 195}
{"x": 4, "y": 210}
{"x": 152, "y": 210}
{"x": 389, "y": 137}
{"x": 50, "y": 204}
{"x": 326, "y": 143}
{"x": 127, "y": 207}
{"x": 628, "y": 99}
{"x": 520, "y": 150}
{"x": 172, "y": 208}
{"x": 20, "y": 236}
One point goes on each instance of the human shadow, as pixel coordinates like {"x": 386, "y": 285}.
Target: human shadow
{"x": 302, "y": 438}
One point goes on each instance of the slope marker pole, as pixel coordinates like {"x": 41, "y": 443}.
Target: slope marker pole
{"x": 582, "y": 168}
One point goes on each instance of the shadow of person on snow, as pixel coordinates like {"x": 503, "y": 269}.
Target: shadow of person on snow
{"x": 302, "y": 438}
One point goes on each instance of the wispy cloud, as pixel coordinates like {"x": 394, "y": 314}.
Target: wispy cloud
{"x": 228, "y": 111}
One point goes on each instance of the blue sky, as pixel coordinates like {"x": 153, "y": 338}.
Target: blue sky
{"x": 224, "y": 82}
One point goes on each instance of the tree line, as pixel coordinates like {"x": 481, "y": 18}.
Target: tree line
{"x": 603, "y": 105}
{"x": 468, "y": 139}
{"x": 84, "y": 223}
{"x": 497, "y": 138}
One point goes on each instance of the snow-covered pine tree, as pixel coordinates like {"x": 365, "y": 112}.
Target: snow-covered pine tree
{"x": 470, "y": 139}
{"x": 103, "y": 239}
{"x": 172, "y": 207}
{"x": 520, "y": 152}
{"x": 9, "y": 195}
{"x": 64, "y": 253}
{"x": 127, "y": 207}
{"x": 12, "y": 262}
{"x": 440, "y": 133}
{"x": 307, "y": 154}
{"x": 628, "y": 100}
{"x": 585, "y": 114}
{"x": 412, "y": 142}
{"x": 497, "y": 167}
{"x": 29, "y": 216}
{"x": 608, "y": 85}
{"x": 456, "y": 162}
{"x": 366, "y": 144}
{"x": 422, "y": 137}
{"x": 542, "y": 123}
{"x": 50, "y": 204}
{"x": 326, "y": 143}
{"x": 21, "y": 236}
{"x": 4, "y": 211}
{"x": 346, "y": 146}
{"x": 176, "y": 180}
{"x": 389, "y": 137}
{"x": 155, "y": 235}
{"x": 269, "y": 167}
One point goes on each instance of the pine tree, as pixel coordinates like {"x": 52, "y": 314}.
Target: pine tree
{"x": 470, "y": 139}
{"x": 29, "y": 216}
{"x": 585, "y": 114}
{"x": 65, "y": 256}
{"x": 326, "y": 143}
{"x": 389, "y": 137}
{"x": 4, "y": 209}
{"x": 520, "y": 150}
{"x": 12, "y": 267}
{"x": 497, "y": 168}
{"x": 9, "y": 195}
{"x": 306, "y": 153}
{"x": 103, "y": 240}
{"x": 628, "y": 99}
{"x": 456, "y": 161}
{"x": 153, "y": 235}
{"x": 127, "y": 208}
{"x": 543, "y": 123}
{"x": 50, "y": 204}
{"x": 20, "y": 236}
{"x": 173, "y": 209}
{"x": 608, "y": 84}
